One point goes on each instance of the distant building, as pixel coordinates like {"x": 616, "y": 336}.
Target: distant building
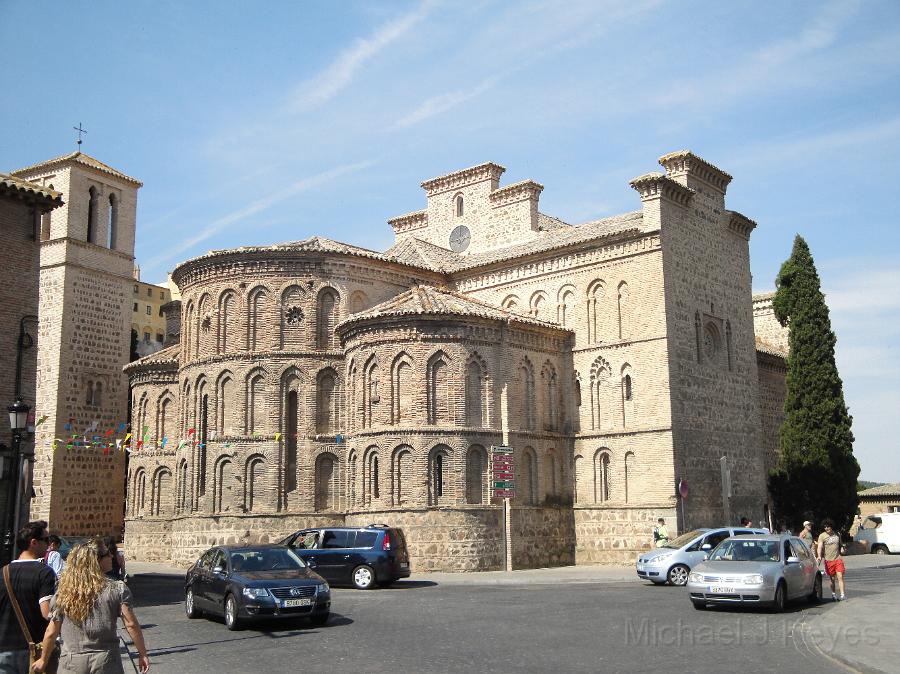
{"x": 148, "y": 322}
{"x": 86, "y": 291}
{"x": 317, "y": 383}
{"x": 881, "y": 499}
{"x": 23, "y": 207}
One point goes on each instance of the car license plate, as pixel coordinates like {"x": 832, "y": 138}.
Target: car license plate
{"x": 288, "y": 603}
{"x": 640, "y": 567}
{"x": 720, "y": 589}
{"x": 404, "y": 565}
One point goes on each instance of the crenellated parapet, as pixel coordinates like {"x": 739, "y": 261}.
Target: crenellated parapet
{"x": 685, "y": 164}
{"x": 524, "y": 190}
{"x": 462, "y": 178}
{"x": 655, "y": 185}
{"x": 740, "y": 224}
{"x": 409, "y": 222}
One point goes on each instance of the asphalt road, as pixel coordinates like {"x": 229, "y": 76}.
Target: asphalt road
{"x": 421, "y": 626}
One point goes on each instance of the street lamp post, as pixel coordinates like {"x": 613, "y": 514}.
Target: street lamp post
{"x": 18, "y": 422}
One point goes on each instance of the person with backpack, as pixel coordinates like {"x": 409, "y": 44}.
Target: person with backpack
{"x": 660, "y": 533}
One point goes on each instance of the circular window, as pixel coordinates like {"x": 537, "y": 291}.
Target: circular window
{"x": 459, "y": 239}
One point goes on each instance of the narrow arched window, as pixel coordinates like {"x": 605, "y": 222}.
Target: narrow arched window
{"x": 459, "y": 205}
{"x": 325, "y": 403}
{"x": 112, "y": 222}
{"x": 626, "y": 386}
{"x": 290, "y": 445}
{"x": 202, "y": 436}
{"x": 437, "y": 477}
{"x": 92, "y": 215}
{"x": 375, "y": 478}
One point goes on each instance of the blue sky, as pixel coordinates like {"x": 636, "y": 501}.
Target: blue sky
{"x": 254, "y": 123}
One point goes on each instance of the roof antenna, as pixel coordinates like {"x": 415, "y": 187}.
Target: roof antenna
{"x": 80, "y": 131}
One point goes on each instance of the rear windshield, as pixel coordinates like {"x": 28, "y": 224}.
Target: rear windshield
{"x": 365, "y": 539}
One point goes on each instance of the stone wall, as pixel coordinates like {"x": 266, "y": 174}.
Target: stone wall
{"x": 772, "y": 392}
{"x": 617, "y": 534}
{"x": 542, "y": 537}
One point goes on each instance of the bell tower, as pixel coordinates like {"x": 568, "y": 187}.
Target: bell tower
{"x": 86, "y": 289}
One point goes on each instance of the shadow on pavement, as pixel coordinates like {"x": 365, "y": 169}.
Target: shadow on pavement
{"x": 156, "y": 589}
{"x": 409, "y": 585}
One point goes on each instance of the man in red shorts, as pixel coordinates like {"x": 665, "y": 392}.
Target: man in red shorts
{"x": 829, "y": 549}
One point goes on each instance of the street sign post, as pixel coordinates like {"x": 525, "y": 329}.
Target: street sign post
{"x": 503, "y": 472}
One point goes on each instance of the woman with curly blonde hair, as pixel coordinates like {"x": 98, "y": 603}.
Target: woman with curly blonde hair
{"x": 85, "y": 609}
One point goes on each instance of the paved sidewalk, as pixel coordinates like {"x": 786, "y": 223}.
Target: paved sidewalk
{"x": 861, "y": 632}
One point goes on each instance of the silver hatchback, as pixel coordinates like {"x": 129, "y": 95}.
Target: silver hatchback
{"x": 762, "y": 570}
{"x": 672, "y": 562}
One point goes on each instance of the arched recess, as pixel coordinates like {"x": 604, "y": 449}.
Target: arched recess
{"x": 187, "y": 408}
{"x": 624, "y": 311}
{"x": 187, "y": 330}
{"x": 550, "y": 398}
{"x": 476, "y": 474}
{"x": 476, "y": 393}
{"x": 293, "y": 318}
{"x": 327, "y": 477}
{"x": 439, "y": 475}
{"x": 354, "y": 395}
{"x": 358, "y": 301}
{"x": 629, "y": 476}
{"x": 596, "y": 312}
{"x": 627, "y": 401}
{"x": 353, "y": 478}
{"x": 438, "y": 387}
{"x": 166, "y": 421}
{"x": 528, "y": 477}
{"x": 402, "y": 475}
{"x": 201, "y": 432}
{"x": 254, "y": 487}
{"x": 223, "y": 479}
{"x": 371, "y": 476}
{"x": 526, "y": 395}
{"x": 255, "y": 421}
{"x": 139, "y": 492}
{"x": 511, "y": 303}
{"x": 259, "y": 308}
{"x": 112, "y": 224}
{"x": 601, "y": 475}
{"x": 161, "y": 497}
{"x": 293, "y": 383}
{"x": 225, "y": 399}
{"x": 402, "y": 389}
{"x": 182, "y": 488}
{"x": 582, "y": 481}
{"x": 370, "y": 394}
{"x": 600, "y": 393}
{"x": 204, "y": 333}
{"x": 93, "y": 207}
{"x": 327, "y": 311}
{"x": 553, "y": 465}
{"x": 226, "y": 315}
{"x": 538, "y": 305}
{"x": 565, "y": 305}
{"x": 326, "y": 401}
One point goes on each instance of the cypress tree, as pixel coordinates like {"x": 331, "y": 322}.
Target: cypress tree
{"x": 816, "y": 472}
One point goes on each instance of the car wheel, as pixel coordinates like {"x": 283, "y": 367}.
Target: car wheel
{"x": 678, "y": 575}
{"x": 880, "y": 550}
{"x": 699, "y": 605}
{"x": 363, "y": 578}
{"x": 190, "y": 608}
{"x": 816, "y": 596}
{"x": 780, "y": 598}
{"x": 231, "y": 613}
{"x": 319, "y": 620}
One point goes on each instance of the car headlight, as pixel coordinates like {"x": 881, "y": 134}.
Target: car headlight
{"x": 324, "y": 589}
{"x": 695, "y": 578}
{"x": 659, "y": 558}
{"x": 753, "y": 579}
{"x": 255, "y": 592}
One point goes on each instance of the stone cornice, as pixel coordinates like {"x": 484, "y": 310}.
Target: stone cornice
{"x": 655, "y": 185}
{"x": 409, "y": 222}
{"x": 740, "y": 224}
{"x": 520, "y": 191}
{"x": 457, "y": 179}
{"x": 685, "y": 162}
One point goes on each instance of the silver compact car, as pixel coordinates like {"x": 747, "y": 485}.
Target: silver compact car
{"x": 672, "y": 562}
{"x": 756, "y": 570}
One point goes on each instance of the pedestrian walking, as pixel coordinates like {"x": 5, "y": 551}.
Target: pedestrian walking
{"x": 25, "y": 594}
{"x": 829, "y": 549}
{"x": 660, "y": 533}
{"x": 806, "y": 535}
{"x": 118, "y": 559}
{"x": 52, "y": 558}
{"x": 85, "y": 611}
{"x": 746, "y": 522}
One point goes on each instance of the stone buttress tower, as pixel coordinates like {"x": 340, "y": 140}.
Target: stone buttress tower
{"x": 86, "y": 263}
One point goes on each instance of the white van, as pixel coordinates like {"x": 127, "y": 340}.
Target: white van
{"x": 880, "y": 533}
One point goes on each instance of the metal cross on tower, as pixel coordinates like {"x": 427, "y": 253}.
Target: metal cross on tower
{"x": 80, "y": 131}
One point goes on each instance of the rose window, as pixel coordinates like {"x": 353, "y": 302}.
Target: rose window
{"x": 294, "y": 315}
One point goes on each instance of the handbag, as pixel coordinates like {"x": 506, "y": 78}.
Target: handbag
{"x": 34, "y": 648}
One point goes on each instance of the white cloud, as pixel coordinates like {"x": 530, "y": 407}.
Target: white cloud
{"x": 257, "y": 206}
{"x": 327, "y": 84}
{"x": 443, "y": 102}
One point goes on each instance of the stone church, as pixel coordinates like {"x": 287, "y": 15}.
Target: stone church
{"x": 319, "y": 383}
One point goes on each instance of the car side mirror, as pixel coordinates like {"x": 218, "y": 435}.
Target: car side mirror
{"x": 793, "y": 560}
{"x": 706, "y": 546}
{"x": 219, "y": 571}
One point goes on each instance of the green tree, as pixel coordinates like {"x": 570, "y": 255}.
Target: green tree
{"x": 816, "y": 472}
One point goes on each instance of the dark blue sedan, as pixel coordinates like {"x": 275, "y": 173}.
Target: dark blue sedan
{"x": 243, "y": 583}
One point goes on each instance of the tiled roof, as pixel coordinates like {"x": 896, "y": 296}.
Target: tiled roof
{"x": 410, "y": 250}
{"x": 883, "y": 490}
{"x": 85, "y": 160}
{"x": 24, "y": 188}
{"x": 767, "y": 347}
{"x": 168, "y": 355}
{"x": 763, "y": 297}
{"x": 426, "y": 300}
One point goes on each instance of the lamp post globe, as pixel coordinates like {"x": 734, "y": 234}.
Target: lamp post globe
{"x": 18, "y": 415}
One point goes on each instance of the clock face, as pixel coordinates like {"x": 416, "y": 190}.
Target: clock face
{"x": 459, "y": 239}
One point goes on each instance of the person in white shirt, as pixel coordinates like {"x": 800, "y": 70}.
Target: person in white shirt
{"x": 52, "y": 558}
